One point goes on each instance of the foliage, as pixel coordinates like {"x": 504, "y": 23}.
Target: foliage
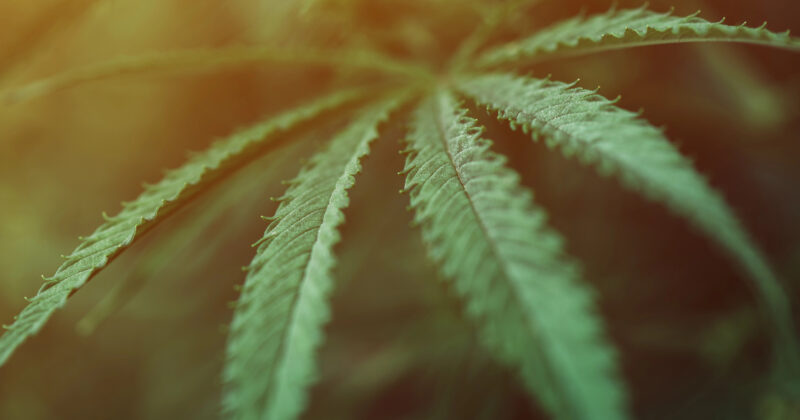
{"x": 507, "y": 270}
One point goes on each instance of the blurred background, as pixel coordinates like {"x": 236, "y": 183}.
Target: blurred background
{"x": 145, "y": 338}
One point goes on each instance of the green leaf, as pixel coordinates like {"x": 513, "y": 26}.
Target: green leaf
{"x": 616, "y": 142}
{"x": 487, "y": 235}
{"x": 623, "y": 29}
{"x": 184, "y": 239}
{"x": 153, "y": 205}
{"x": 277, "y": 323}
{"x": 208, "y": 60}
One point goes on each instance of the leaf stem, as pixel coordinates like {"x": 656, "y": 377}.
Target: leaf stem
{"x": 481, "y": 34}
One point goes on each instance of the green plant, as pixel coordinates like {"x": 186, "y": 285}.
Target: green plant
{"x": 531, "y": 308}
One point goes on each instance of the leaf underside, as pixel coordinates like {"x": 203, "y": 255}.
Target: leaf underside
{"x": 482, "y": 228}
{"x": 487, "y": 235}
{"x": 153, "y": 205}
{"x": 277, "y": 323}
{"x": 615, "y": 141}
{"x": 623, "y": 29}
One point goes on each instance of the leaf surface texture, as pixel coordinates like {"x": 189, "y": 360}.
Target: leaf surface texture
{"x": 616, "y": 142}
{"x": 152, "y": 206}
{"x": 509, "y": 267}
{"x": 623, "y": 29}
{"x": 277, "y": 325}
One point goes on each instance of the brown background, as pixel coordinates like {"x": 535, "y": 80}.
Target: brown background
{"x": 691, "y": 342}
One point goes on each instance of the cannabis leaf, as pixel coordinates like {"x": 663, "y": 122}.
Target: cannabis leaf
{"x": 153, "y": 205}
{"x": 277, "y": 324}
{"x": 522, "y": 293}
{"x": 207, "y": 60}
{"x": 616, "y": 142}
{"x": 624, "y": 29}
{"x": 485, "y": 233}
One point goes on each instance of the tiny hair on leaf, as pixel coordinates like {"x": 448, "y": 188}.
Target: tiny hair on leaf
{"x": 469, "y": 273}
{"x": 153, "y": 205}
{"x": 615, "y": 141}
{"x": 485, "y": 233}
{"x": 278, "y": 319}
{"x": 625, "y": 29}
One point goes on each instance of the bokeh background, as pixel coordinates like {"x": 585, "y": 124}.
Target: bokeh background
{"x": 145, "y": 338}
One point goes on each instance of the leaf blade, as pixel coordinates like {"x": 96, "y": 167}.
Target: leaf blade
{"x": 623, "y": 29}
{"x": 208, "y": 60}
{"x": 277, "y": 324}
{"x": 487, "y": 235}
{"x": 153, "y": 205}
{"x": 616, "y": 142}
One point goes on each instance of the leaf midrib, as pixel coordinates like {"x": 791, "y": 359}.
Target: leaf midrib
{"x": 495, "y": 251}
{"x": 303, "y": 283}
